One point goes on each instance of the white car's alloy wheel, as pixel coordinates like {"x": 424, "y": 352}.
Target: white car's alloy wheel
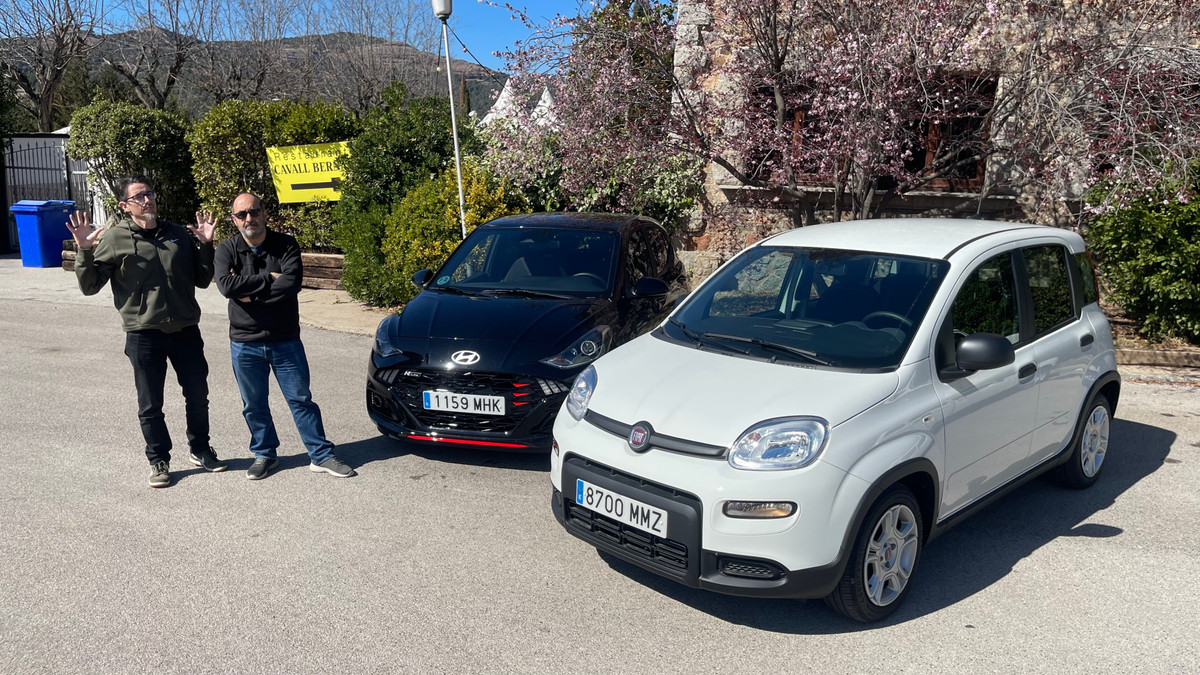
{"x": 891, "y": 555}
{"x": 1093, "y": 442}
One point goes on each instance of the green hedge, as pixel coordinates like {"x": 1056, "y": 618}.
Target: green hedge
{"x": 122, "y": 139}
{"x": 404, "y": 142}
{"x": 425, "y": 228}
{"x": 1149, "y": 259}
{"x": 229, "y": 144}
{"x": 358, "y": 233}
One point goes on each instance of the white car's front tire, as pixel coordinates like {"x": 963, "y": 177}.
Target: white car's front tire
{"x": 886, "y": 553}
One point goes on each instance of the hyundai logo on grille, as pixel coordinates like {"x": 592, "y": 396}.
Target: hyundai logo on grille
{"x": 465, "y": 357}
{"x": 639, "y": 438}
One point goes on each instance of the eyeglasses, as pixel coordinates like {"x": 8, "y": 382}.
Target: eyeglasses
{"x": 142, "y": 198}
{"x": 252, "y": 213}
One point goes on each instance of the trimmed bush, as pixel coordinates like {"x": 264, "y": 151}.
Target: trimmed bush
{"x": 404, "y": 142}
{"x": 229, "y": 144}
{"x": 1149, "y": 258}
{"x": 122, "y": 139}
{"x": 424, "y": 229}
{"x": 358, "y": 234}
{"x": 230, "y": 150}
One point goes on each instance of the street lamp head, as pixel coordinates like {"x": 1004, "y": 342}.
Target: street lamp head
{"x": 442, "y": 8}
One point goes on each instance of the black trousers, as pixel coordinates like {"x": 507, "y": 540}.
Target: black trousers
{"x": 149, "y": 351}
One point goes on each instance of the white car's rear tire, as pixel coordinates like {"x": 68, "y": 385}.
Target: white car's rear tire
{"x": 1089, "y": 446}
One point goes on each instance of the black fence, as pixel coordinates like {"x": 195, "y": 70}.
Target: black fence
{"x": 36, "y": 167}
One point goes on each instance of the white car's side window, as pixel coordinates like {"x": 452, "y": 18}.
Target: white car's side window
{"x": 987, "y": 301}
{"x": 1050, "y": 287}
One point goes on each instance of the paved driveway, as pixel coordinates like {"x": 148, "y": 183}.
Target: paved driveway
{"x": 451, "y": 562}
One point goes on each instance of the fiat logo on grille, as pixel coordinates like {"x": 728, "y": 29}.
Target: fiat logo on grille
{"x": 465, "y": 357}
{"x": 639, "y": 438}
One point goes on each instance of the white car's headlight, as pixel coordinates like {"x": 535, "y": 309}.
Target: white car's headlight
{"x": 779, "y": 444}
{"x": 581, "y": 393}
{"x": 586, "y": 349}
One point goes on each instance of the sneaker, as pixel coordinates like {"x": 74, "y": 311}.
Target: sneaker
{"x": 207, "y": 460}
{"x": 261, "y": 467}
{"x": 332, "y": 466}
{"x": 160, "y": 475}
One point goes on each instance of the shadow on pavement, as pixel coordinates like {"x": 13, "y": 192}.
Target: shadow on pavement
{"x": 969, "y": 557}
{"x": 381, "y": 448}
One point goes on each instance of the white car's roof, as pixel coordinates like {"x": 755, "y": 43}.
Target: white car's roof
{"x": 921, "y": 237}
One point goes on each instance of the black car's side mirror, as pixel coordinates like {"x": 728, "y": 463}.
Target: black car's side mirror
{"x": 421, "y": 279}
{"x": 979, "y": 351}
{"x": 649, "y": 287}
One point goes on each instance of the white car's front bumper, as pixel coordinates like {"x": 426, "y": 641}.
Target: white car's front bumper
{"x": 801, "y": 555}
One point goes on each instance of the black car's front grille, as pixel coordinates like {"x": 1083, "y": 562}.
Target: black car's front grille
{"x": 642, "y": 544}
{"x": 522, "y": 394}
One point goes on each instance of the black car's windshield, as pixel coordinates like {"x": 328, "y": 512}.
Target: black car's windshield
{"x": 848, "y": 309}
{"x": 532, "y": 262}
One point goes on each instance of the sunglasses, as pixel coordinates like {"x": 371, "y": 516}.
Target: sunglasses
{"x": 252, "y": 213}
{"x": 144, "y": 197}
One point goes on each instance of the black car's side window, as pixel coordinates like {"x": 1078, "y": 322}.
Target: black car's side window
{"x": 657, "y": 251}
{"x": 987, "y": 301}
{"x": 1049, "y": 286}
{"x": 635, "y": 260}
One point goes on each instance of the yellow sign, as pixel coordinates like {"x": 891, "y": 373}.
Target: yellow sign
{"x": 305, "y": 173}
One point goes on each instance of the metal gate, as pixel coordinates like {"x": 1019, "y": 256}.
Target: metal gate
{"x": 36, "y": 167}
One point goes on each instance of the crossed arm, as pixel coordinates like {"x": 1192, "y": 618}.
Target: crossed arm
{"x": 267, "y": 287}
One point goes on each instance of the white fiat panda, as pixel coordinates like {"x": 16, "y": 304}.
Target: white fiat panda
{"x": 835, "y": 397}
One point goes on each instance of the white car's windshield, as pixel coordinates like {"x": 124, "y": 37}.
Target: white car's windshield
{"x": 846, "y": 309}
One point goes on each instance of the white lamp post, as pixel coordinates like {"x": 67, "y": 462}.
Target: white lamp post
{"x": 442, "y": 10}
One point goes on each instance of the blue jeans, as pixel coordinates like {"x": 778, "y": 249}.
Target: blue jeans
{"x": 252, "y": 365}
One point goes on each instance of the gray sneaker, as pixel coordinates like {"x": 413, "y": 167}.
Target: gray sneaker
{"x": 332, "y": 466}
{"x": 207, "y": 460}
{"x": 160, "y": 475}
{"x": 261, "y": 467}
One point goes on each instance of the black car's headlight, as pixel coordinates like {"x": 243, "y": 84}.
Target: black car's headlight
{"x": 586, "y": 349}
{"x": 383, "y": 346}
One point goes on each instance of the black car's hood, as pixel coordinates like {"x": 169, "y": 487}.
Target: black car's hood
{"x": 543, "y": 322}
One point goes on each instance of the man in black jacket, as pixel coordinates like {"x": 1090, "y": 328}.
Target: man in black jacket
{"x": 260, "y": 271}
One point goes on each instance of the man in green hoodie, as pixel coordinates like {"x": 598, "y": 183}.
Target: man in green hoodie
{"x": 155, "y": 267}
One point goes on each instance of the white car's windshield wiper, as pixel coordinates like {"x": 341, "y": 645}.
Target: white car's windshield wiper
{"x": 698, "y": 340}
{"x": 759, "y": 342}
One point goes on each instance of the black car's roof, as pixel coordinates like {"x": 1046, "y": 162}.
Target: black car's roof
{"x": 593, "y": 221}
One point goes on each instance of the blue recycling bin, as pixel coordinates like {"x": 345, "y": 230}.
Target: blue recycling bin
{"x": 41, "y": 230}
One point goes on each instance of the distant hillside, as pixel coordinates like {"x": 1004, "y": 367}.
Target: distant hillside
{"x": 332, "y": 67}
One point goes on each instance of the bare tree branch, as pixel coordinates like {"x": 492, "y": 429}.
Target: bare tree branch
{"x": 38, "y": 40}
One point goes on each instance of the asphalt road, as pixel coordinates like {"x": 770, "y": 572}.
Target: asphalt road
{"x": 451, "y": 561}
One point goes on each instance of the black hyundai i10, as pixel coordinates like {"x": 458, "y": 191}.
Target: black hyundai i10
{"x": 486, "y": 352}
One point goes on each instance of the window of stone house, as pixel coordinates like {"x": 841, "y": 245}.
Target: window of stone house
{"x": 949, "y": 138}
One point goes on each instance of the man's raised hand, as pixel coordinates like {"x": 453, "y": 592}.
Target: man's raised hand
{"x": 80, "y": 225}
{"x": 204, "y": 227}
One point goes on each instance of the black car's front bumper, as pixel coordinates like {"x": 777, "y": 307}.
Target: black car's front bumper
{"x": 680, "y": 555}
{"x": 394, "y": 403}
